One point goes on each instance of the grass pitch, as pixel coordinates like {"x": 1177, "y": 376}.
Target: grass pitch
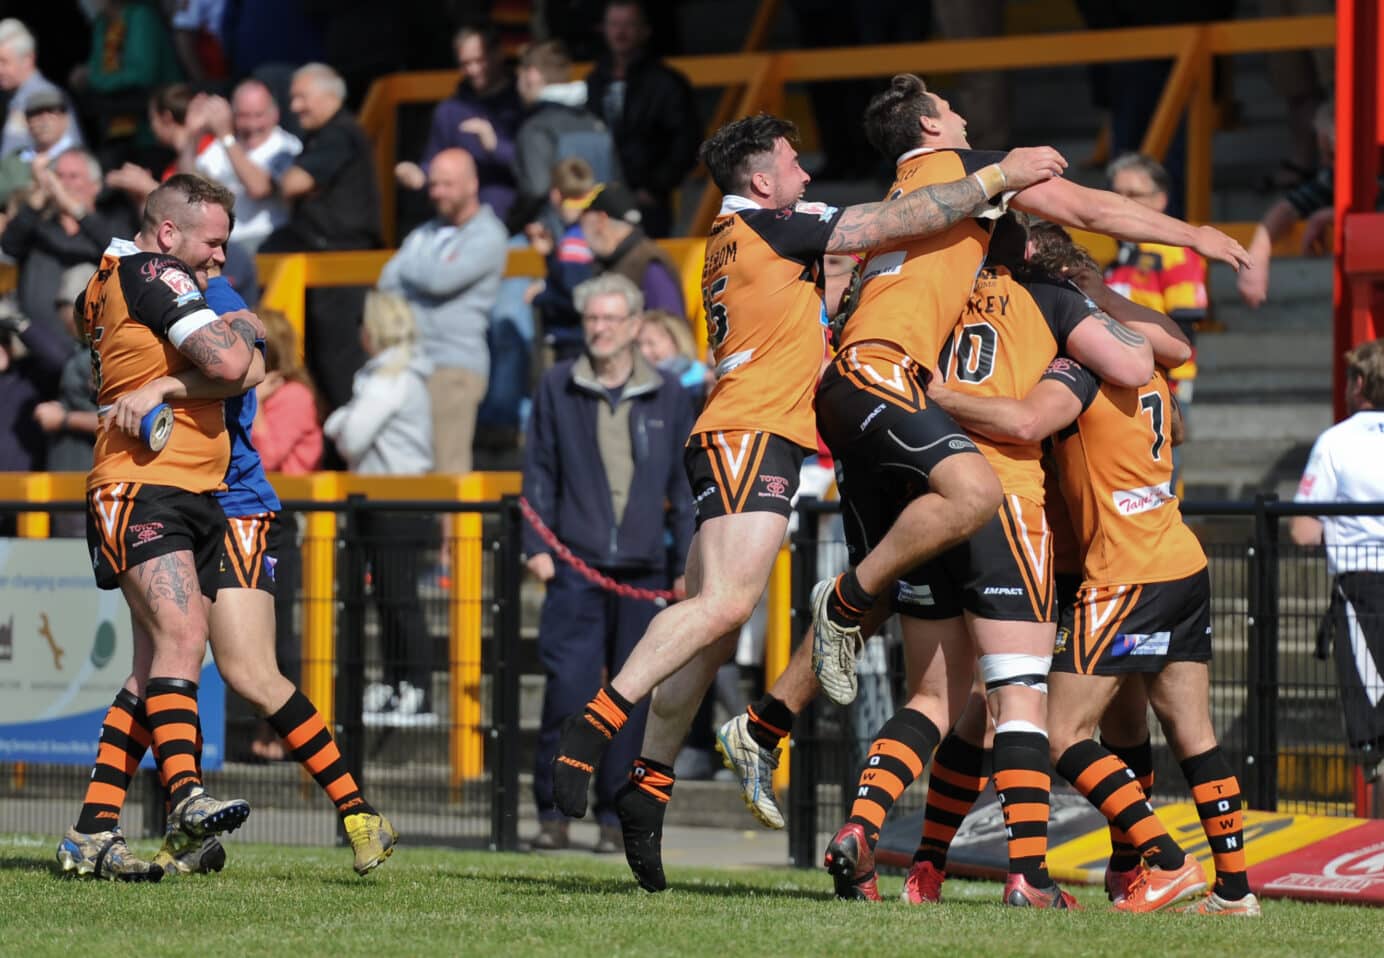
{"x": 307, "y": 901}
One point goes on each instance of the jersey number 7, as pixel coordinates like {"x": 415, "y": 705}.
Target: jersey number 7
{"x": 1152, "y": 403}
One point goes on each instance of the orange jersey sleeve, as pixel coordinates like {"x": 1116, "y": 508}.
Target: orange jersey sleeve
{"x": 1115, "y": 466}
{"x": 1001, "y": 346}
{"x": 762, "y": 288}
{"x": 912, "y": 294}
{"x": 129, "y": 311}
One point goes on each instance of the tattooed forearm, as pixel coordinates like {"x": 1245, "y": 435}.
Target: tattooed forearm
{"x": 923, "y": 212}
{"x": 1120, "y": 331}
{"x": 168, "y": 578}
{"x": 245, "y": 330}
{"x": 210, "y": 346}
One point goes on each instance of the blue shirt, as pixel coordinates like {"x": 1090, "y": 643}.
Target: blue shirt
{"x": 248, "y": 491}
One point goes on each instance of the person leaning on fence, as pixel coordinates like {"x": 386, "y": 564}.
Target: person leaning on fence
{"x": 603, "y": 471}
{"x": 1345, "y": 466}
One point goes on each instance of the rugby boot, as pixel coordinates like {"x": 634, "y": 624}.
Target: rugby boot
{"x": 200, "y": 814}
{"x": 1019, "y": 893}
{"x": 851, "y": 861}
{"x": 372, "y": 840}
{"x": 923, "y": 885}
{"x": 753, "y": 765}
{"x": 181, "y": 854}
{"x": 104, "y": 855}
{"x": 833, "y": 648}
{"x": 1156, "y": 888}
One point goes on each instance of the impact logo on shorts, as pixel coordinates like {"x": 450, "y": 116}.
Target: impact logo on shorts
{"x": 704, "y": 494}
{"x": 269, "y": 563}
{"x": 1133, "y": 501}
{"x": 1003, "y": 590}
{"x": 775, "y": 487}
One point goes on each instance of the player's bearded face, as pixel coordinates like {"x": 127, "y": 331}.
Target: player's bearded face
{"x": 788, "y": 179}
{"x": 202, "y": 243}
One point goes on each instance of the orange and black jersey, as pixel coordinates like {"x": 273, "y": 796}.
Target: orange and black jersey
{"x": 1115, "y": 466}
{"x": 911, "y": 294}
{"x": 1001, "y": 346}
{"x": 133, "y": 314}
{"x": 762, "y": 286}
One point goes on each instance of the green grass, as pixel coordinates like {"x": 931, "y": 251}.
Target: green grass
{"x": 436, "y": 902}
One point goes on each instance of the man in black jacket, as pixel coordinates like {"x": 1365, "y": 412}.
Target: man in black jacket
{"x": 603, "y": 470}
{"x": 650, "y": 110}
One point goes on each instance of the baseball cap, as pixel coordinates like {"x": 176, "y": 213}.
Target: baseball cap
{"x": 617, "y": 202}
{"x": 42, "y": 100}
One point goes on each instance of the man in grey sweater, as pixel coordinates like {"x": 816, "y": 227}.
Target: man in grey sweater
{"x": 449, "y": 271}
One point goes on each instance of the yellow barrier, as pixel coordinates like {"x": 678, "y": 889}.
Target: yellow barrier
{"x": 319, "y": 597}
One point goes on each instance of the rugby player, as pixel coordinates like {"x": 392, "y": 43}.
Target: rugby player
{"x": 762, "y": 286}
{"x": 242, "y": 619}
{"x": 994, "y": 591}
{"x": 936, "y": 488}
{"x": 1143, "y": 612}
{"x": 154, "y": 527}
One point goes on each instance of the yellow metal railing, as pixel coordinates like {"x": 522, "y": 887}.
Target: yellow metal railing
{"x": 319, "y": 592}
{"x": 761, "y": 77}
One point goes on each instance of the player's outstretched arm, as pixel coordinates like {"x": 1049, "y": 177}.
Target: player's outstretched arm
{"x": 933, "y": 209}
{"x": 1101, "y": 211}
{"x": 223, "y": 349}
{"x": 1048, "y": 407}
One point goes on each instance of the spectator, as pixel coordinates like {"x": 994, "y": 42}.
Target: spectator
{"x": 603, "y": 469}
{"x": 558, "y": 125}
{"x": 449, "y": 271}
{"x": 286, "y": 433}
{"x": 32, "y": 354}
{"x": 21, "y": 81}
{"x": 131, "y": 56}
{"x": 1170, "y": 279}
{"x": 197, "y": 38}
{"x": 667, "y": 344}
{"x": 58, "y": 226}
{"x": 168, "y": 110}
{"x": 249, "y": 153}
{"x": 569, "y": 259}
{"x": 610, "y": 224}
{"x": 1345, "y": 467}
{"x": 70, "y": 421}
{"x": 1312, "y": 201}
{"x": 333, "y": 205}
{"x": 650, "y": 111}
{"x": 386, "y": 429}
{"x": 51, "y": 131}
{"x": 482, "y": 117}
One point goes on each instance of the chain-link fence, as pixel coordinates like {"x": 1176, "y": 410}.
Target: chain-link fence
{"x": 1276, "y": 700}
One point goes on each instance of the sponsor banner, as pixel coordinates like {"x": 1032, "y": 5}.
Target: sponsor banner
{"x": 65, "y": 651}
{"x": 1079, "y": 842}
{"x": 1346, "y": 867}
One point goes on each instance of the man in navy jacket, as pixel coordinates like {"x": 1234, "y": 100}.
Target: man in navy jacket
{"x": 603, "y": 469}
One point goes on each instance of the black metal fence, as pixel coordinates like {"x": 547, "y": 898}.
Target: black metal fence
{"x": 424, "y": 681}
{"x": 1275, "y": 699}
{"x": 426, "y": 659}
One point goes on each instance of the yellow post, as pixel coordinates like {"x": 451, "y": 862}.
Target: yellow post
{"x": 285, "y": 292}
{"x": 319, "y": 596}
{"x": 466, "y": 549}
{"x": 1201, "y": 123}
{"x": 34, "y": 525}
{"x": 778, "y": 639}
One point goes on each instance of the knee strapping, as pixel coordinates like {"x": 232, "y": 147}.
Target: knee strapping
{"x": 1011, "y": 668}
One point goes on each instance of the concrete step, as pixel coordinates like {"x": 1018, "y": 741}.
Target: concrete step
{"x": 1292, "y": 422}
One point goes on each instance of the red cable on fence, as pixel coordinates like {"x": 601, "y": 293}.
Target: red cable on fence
{"x": 661, "y": 596}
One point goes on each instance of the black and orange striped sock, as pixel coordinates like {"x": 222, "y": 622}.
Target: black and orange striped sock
{"x": 608, "y": 711}
{"x": 1023, "y": 783}
{"x": 173, "y": 724}
{"x": 958, "y": 776}
{"x": 654, "y": 779}
{"x": 770, "y": 721}
{"x": 301, "y": 727}
{"x": 1216, "y": 791}
{"x": 1109, "y": 785}
{"x": 124, "y": 740}
{"x": 1139, "y": 758}
{"x": 849, "y": 601}
{"x": 897, "y": 756}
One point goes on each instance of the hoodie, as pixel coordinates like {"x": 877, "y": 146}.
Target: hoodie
{"x": 386, "y": 428}
{"x": 558, "y": 126}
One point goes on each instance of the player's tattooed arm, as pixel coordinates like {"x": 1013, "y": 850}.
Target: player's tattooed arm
{"x": 1169, "y": 343}
{"x": 1121, "y": 332}
{"x": 923, "y": 212}
{"x": 220, "y": 350}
